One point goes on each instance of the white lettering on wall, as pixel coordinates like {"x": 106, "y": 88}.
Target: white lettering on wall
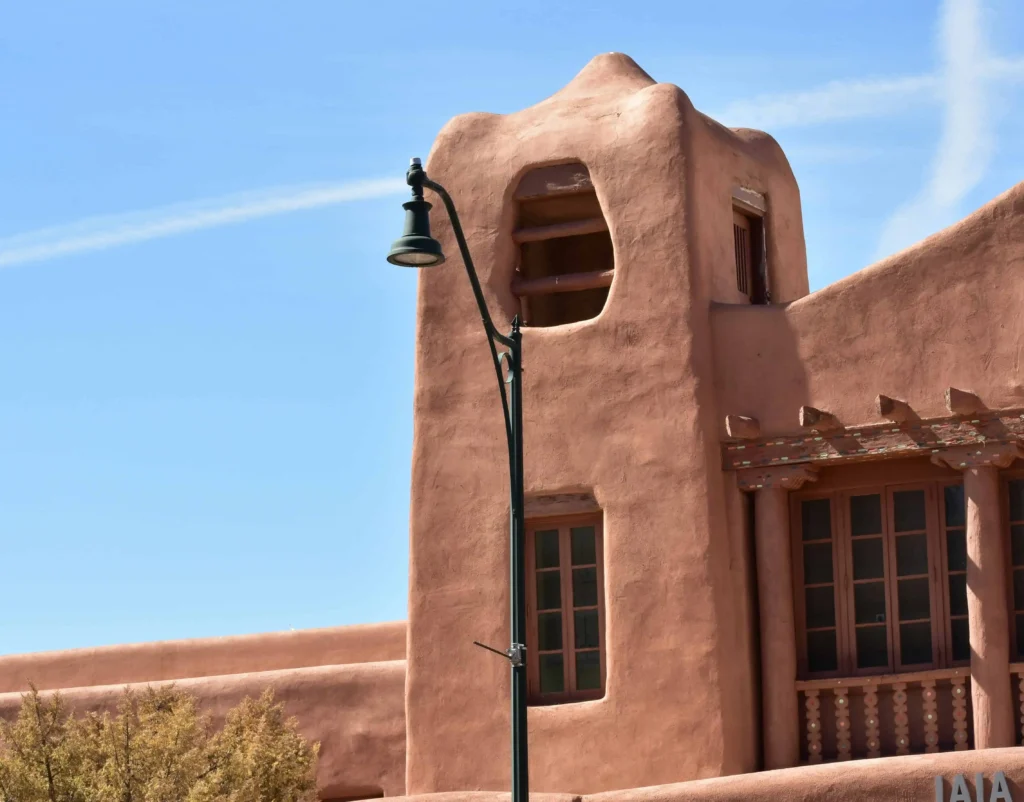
{"x": 959, "y": 790}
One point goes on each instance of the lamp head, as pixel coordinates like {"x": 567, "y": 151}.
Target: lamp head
{"x": 416, "y": 248}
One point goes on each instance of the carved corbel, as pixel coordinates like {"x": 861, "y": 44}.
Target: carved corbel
{"x": 787, "y": 477}
{"x": 961, "y": 402}
{"x": 962, "y": 458}
{"x": 893, "y": 409}
{"x": 818, "y": 420}
{"x": 742, "y": 428}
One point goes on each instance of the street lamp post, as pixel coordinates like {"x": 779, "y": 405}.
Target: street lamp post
{"x": 416, "y": 248}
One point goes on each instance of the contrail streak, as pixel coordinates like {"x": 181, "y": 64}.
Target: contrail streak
{"x": 101, "y": 233}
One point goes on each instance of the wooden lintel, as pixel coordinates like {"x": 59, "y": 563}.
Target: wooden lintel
{"x": 893, "y": 408}
{"x": 749, "y": 199}
{"x": 568, "y": 282}
{"x": 741, "y": 427}
{"x": 574, "y": 229}
{"x": 555, "y": 179}
{"x": 913, "y": 438}
{"x": 819, "y": 420}
{"x": 961, "y": 402}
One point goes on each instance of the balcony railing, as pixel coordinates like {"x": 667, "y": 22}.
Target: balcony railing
{"x": 891, "y": 714}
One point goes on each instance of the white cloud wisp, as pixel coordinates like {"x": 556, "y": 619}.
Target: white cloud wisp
{"x": 102, "y": 233}
{"x": 966, "y": 143}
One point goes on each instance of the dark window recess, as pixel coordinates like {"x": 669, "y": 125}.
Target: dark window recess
{"x": 751, "y": 263}
{"x": 1015, "y": 493}
{"x": 566, "y": 260}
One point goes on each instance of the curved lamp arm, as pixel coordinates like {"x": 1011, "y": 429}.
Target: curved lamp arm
{"x": 417, "y": 179}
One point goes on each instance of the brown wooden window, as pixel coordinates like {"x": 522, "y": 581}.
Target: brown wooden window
{"x": 566, "y": 258}
{"x": 565, "y": 602}
{"x": 749, "y": 248}
{"x": 868, "y": 588}
{"x": 1015, "y": 516}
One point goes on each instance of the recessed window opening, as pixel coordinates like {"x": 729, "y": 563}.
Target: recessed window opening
{"x": 565, "y": 604}
{"x": 566, "y": 260}
{"x": 750, "y": 246}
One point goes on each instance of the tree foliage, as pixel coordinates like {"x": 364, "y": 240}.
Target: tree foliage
{"x": 157, "y": 748}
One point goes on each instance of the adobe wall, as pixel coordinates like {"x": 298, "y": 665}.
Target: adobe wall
{"x": 623, "y": 406}
{"x": 906, "y": 779}
{"x": 945, "y": 312}
{"x": 356, "y": 712}
{"x": 204, "y": 657}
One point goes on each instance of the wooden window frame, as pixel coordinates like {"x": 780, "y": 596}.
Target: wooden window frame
{"x": 1006, "y": 527}
{"x": 564, "y": 524}
{"x": 945, "y": 573}
{"x": 749, "y": 279}
{"x": 842, "y": 570}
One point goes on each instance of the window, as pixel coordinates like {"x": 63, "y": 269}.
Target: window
{"x": 749, "y": 246}
{"x": 1015, "y": 493}
{"x": 868, "y": 590}
{"x": 566, "y": 260}
{"x": 565, "y": 603}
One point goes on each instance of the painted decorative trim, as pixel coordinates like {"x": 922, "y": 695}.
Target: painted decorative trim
{"x": 878, "y": 441}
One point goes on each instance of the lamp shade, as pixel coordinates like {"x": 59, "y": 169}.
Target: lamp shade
{"x": 416, "y": 248}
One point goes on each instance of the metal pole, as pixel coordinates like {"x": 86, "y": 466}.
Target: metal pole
{"x": 520, "y": 759}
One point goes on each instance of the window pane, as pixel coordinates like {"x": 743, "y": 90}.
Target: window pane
{"x": 1017, "y": 542}
{"x": 552, "y": 679}
{"x": 956, "y": 550}
{"x": 911, "y": 555}
{"x": 955, "y": 510}
{"x": 958, "y": 594}
{"x": 821, "y": 607}
{"x": 549, "y": 590}
{"x": 915, "y": 643}
{"x": 868, "y": 558}
{"x": 549, "y": 632}
{"x": 1018, "y": 589}
{"x": 821, "y": 651}
{"x": 866, "y": 514}
{"x": 588, "y": 671}
{"x": 869, "y": 603}
{"x": 908, "y": 510}
{"x": 1020, "y": 636}
{"x": 817, "y": 563}
{"x": 584, "y": 587}
{"x": 872, "y": 647}
{"x": 961, "y": 639}
{"x": 584, "y": 545}
{"x": 546, "y": 548}
{"x": 816, "y": 516}
{"x": 587, "y": 636}
{"x": 913, "y": 599}
{"x": 1017, "y": 500}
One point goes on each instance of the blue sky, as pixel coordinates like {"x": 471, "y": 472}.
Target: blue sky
{"x": 205, "y": 403}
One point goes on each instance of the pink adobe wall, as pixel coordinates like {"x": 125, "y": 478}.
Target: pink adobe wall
{"x": 205, "y": 657}
{"x": 907, "y": 779}
{"x": 356, "y": 712}
{"x": 624, "y": 406}
{"x": 945, "y": 312}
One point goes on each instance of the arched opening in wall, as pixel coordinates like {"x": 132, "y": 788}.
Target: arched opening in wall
{"x": 566, "y": 260}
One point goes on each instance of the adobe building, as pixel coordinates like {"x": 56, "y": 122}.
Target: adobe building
{"x": 775, "y": 539}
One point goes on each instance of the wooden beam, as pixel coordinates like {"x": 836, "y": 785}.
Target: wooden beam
{"x": 576, "y": 228}
{"x": 961, "y": 402}
{"x": 819, "y": 420}
{"x": 742, "y": 428}
{"x": 893, "y": 409}
{"x": 556, "y": 179}
{"x": 568, "y": 282}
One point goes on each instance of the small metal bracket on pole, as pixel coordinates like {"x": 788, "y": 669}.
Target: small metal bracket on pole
{"x": 516, "y": 654}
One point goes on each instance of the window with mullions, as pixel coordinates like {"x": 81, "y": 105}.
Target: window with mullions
{"x": 869, "y": 595}
{"x": 1015, "y": 517}
{"x": 565, "y": 604}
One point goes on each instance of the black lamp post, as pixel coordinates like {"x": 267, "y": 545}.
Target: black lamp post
{"x": 416, "y": 248}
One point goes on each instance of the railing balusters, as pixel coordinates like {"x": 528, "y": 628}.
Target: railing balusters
{"x": 959, "y": 713}
{"x": 900, "y": 718}
{"x": 842, "y": 723}
{"x": 874, "y": 742}
{"x": 931, "y": 716}
{"x": 813, "y": 705}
